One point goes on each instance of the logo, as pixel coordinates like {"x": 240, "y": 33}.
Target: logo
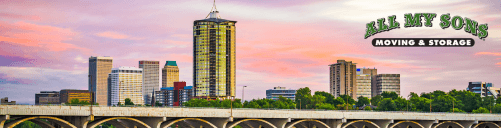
{"x": 420, "y": 19}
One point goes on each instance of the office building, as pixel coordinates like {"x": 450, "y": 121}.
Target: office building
{"x": 99, "y": 68}
{"x": 5, "y": 101}
{"x": 47, "y": 97}
{"x": 151, "y": 78}
{"x": 373, "y": 74}
{"x": 388, "y": 83}
{"x": 276, "y": 92}
{"x": 170, "y": 74}
{"x": 364, "y": 85}
{"x": 126, "y": 82}
{"x": 66, "y": 95}
{"x": 214, "y": 57}
{"x": 483, "y": 88}
{"x": 343, "y": 78}
{"x": 174, "y": 96}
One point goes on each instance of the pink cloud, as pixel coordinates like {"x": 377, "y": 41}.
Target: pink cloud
{"x": 16, "y": 16}
{"x": 489, "y": 53}
{"x": 112, "y": 35}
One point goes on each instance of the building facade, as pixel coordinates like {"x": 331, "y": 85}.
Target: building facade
{"x": 66, "y": 95}
{"x": 174, "y": 96}
{"x": 151, "y": 71}
{"x": 214, "y": 57}
{"x": 276, "y": 92}
{"x": 170, "y": 74}
{"x": 47, "y": 97}
{"x": 388, "y": 83}
{"x": 373, "y": 74}
{"x": 343, "y": 78}
{"x": 99, "y": 68}
{"x": 364, "y": 86}
{"x": 482, "y": 88}
{"x": 126, "y": 82}
{"x": 5, "y": 101}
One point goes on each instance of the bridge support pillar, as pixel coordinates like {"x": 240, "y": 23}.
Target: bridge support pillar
{"x": 467, "y": 124}
{"x": 428, "y": 123}
{"x": 78, "y": 121}
{"x": 383, "y": 123}
{"x": 3, "y": 118}
{"x": 279, "y": 123}
{"x": 153, "y": 122}
{"x": 219, "y": 122}
{"x": 334, "y": 123}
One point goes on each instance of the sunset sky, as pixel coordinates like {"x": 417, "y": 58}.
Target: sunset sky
{"x": 45, "y": 45}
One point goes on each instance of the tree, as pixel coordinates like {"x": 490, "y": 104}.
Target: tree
{"x": 497, "y": 108}
{"x": 488, "y": 102}
{"x": 470, "y": 100}
{"x": 325, "y": 106}
{"x": 316, "y": 100}
{"x": 128, "y": 101}
{"x": 157, "y": 103}
{"x": 303, "y": 97}
{"x": 444, "y": 103}
{"x": 456, "y": 110}
{"x": 481, "y": 110}
{"x": 329, "y": 98}
{"x": 363, "y": 101}
{"x": 338, "y": 101}
{"x": 387, "y": 105}
{"x": 251, "y": 104}
{"x": 376, "y": 99}
{"x": 391, "y": 95}
{"x": 367, "y": 108}
{"x": 349, "y": 98}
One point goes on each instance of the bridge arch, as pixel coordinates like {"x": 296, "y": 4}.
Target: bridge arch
{"x": 244, "y": 120}
{"x": 172, "y": 122}
{"x": 445, "y": 122}
{"x": 315, "y": 122}
{"x": 100, "y": 121}
{"x": 486, "y": 123}
{"x": 406, "y": 121}
{"x": 56, "y": 120}
{"x": 363, "y": 121}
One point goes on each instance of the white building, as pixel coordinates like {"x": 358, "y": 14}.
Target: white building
{"x": 125, "y": 82}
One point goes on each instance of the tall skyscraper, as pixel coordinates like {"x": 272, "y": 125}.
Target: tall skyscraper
{"x": 343, "y": 78}
{"x": 373, "y": 74}
{"x": 151, "y": 78}
{"x": 99, "y": 68}
{"x": 126, "y": 82}
{"x": 170, "y": 74}
{"x": 214, "y": 56}
{"x": 388, "y": 83}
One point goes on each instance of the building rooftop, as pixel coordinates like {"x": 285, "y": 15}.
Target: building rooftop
{"x": 170, "y": 63}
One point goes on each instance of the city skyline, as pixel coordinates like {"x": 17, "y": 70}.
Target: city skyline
{"x": 46, "y": 48}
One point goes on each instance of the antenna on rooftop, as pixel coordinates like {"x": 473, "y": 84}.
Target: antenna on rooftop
{"x": 213, "y": 12}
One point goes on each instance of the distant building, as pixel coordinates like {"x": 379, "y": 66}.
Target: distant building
{"x": 373, "y": 74}
{"x": 276, "y": 92}
{"x": 99, "y": 68}
{"x": 47, "y": 97}
{"x": 66, "y": 95}
{"x": 125, "y": 82}
{"x": 174, "y": 96}
{"x": 5, "y": 101}
{"x": 151, "y": 78}
{"x": 483, "y": 88}
{"x": 388, "y": 83}
{"x": 364, "y": 85}
{"x": 170, "y": 74}
{"x": 343, "y": 78}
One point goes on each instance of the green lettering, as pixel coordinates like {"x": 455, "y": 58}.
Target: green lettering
{"x": 429, "y": 17}
{"x": 482, "y": 31}
{"x": 471, "y": 26}
{"x": 445, "y": 21}
{"x": 413, "y": 21}
{"x": 457, "y": 22}
{"x": 382, "y": 27}
{"x": 371, "y": 30}
{"x": 393, "y": 23}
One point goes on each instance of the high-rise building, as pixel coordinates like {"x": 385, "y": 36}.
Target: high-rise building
{"x": 151, "y": 78}
{"x": 5, "y": 101}
{"x": 47, "y": 97}
{"x": 364, "y": 85}
{"x": 99, "y": 68}
{"x": 174, "y": 96}
{"x": 373, "y": 74}
{"x": 66, "y": 95}
{"x": 126, "y": 82}
{"x": 276, "y": 92}
{"x": 170, "y": 74}
{"x": 482, "y": 88}
{"x": 343, "y": 78}
{"x": 388, "y": 83}
{"x": 214, "y": 56}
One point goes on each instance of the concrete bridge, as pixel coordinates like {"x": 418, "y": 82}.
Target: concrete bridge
{"x": 151, "y": 117}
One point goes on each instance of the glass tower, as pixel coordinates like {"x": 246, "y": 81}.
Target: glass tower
{"x": 214, "y": 57}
